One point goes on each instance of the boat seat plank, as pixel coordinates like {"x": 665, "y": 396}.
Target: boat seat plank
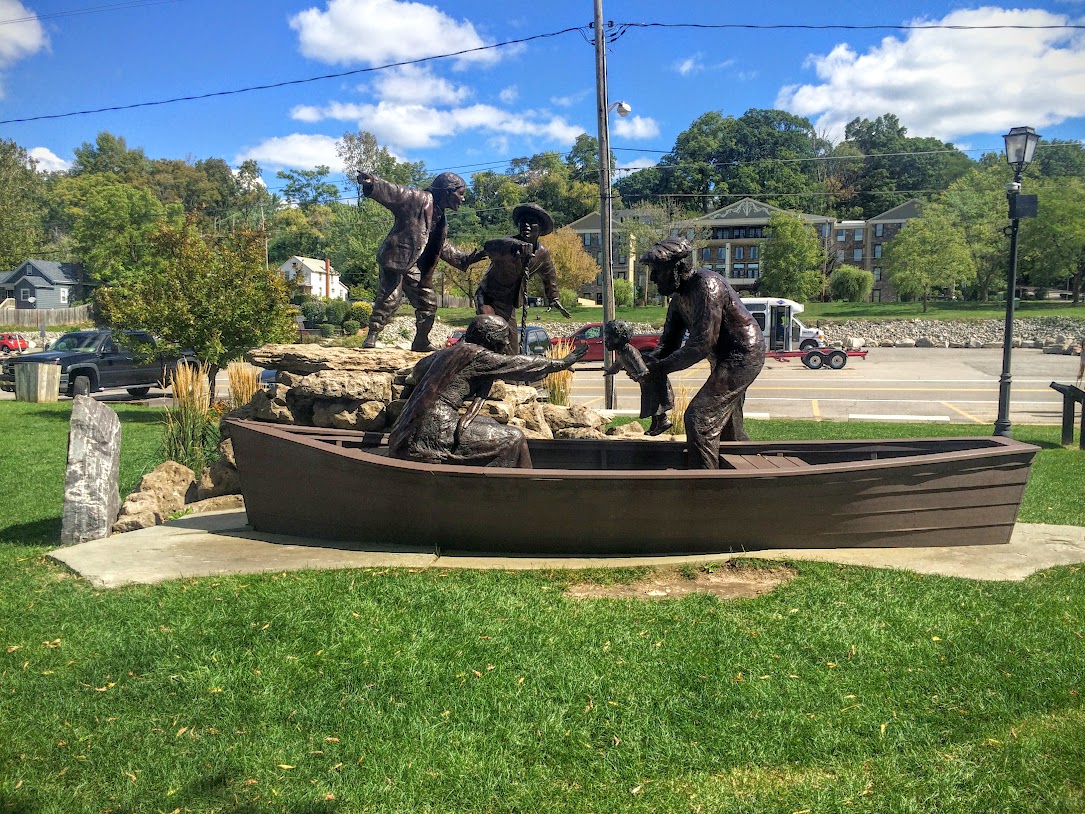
{"x": 764, "y": 462}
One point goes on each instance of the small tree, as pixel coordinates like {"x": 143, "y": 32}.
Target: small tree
{"x": 791, "y": 259}
{"x": 851, "y": 284}
{"x": 927, "y": 255}
{"x": 214, "y": 297}
{"x": 623, "y": 293}
{"x": 574, "y": 265}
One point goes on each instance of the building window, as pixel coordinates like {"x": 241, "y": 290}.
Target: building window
{"x": 63, "y": 295}
{"x": 858, "y": 235}
{"x": 24, "y": 294}
{"x": 738, "y": 271}
{"x": 840, "y": 255}
{"x": 739, "y": 233}
{"x": 721, "y": 253}
{"x": 823, "y": 230}
{"x": 753, "y": 252}
{"x": 877, "y": 249}
{"x": 752, "y": 268}
{"x": 840, "y": 233}
{"x": 739, "y": 253}
{"x": 857, "y": 255}
{"x": 877, "y": 274}
{"x": 706, "y": 254}
{"x": 587, "y": 240}
{"x": 878, "y": 229}
{"x": 756, "y": 231}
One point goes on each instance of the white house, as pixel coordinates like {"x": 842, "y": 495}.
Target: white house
{"x": 314, "y": 277}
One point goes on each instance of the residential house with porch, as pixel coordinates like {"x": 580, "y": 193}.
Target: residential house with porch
{"x": 40, "y": 284}
{"x": 314, "y": 277}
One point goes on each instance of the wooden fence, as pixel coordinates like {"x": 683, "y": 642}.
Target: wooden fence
{"x": 34, "y": 317}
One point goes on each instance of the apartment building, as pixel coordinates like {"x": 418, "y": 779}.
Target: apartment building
{"x": 731, "y": 239}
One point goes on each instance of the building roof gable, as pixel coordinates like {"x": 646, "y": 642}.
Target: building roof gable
{"x": 749, "y": 210}
{"x": 905, "y": 211}
{"x": 309, "y": 263}
{"x": 54, "y": 272}
{"x": 591, "y": 222}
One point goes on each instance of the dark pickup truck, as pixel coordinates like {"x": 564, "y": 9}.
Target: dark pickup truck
{"x": 592, "y": 336}
{"x": 93, "y": 360}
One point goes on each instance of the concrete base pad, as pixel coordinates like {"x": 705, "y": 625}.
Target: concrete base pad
{"x": 219, "y": 543}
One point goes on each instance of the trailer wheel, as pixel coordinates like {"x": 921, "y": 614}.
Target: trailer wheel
{"x": 814, "y": 360}
{"x": 837, "y": 359}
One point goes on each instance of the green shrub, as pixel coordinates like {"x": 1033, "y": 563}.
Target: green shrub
{"x": 361, "y": 311}
{"x": 313, "y": 312}
{"x": 327, "y": 330}
{"x": 568, "y": 297}
{"x": 351, "y": 326}
{"x": 623, "y": 293}
{"x": 851, "y": 284}
{"x": 335, "y": 311}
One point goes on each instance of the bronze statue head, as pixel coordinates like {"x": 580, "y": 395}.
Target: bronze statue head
{"x": 616, "y": 334}
{"x": 670, "y": 263}
{"x": 448, "y": 190}
{"x": 490, "y": 331}
{"x": 533, "y": 221}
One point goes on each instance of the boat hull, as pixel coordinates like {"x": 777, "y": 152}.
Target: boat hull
{"x": 633, "y": 497}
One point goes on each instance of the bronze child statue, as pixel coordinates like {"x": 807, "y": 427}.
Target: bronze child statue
{"x": 656, "y": 395}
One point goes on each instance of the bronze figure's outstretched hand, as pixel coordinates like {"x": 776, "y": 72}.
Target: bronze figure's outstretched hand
{"x": 575, "y": 355}
{"x": 477, "y": 256}
{"x": 561, "y": 308}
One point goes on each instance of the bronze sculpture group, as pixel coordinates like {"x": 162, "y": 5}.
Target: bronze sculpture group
{"x": 705, "y": 321}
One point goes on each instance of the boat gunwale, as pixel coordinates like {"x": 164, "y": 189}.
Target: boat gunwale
{"x": 309, "y": 436}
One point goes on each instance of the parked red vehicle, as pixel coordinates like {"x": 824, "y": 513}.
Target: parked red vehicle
{"x": 454, "y": 337}
{"x": 13, "y": 343}
{"x": 592, "y": 336}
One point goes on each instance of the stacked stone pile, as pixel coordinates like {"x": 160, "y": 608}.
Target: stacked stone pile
{"x": 1053, "y": 334}
{"x": 351, "y": 389}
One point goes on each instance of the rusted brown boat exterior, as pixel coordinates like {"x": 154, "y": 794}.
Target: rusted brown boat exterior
{"x": 635, "y": 497}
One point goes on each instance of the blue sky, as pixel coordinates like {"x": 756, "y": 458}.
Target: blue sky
{"x": 480, "y": 110}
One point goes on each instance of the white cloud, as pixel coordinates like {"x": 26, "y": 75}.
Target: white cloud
{"x": 417, "y": 84}
{"x": 412, "y": 126}
{"x": 48, "y": 161}
{"x": 570, "y": 100}
{"x": 636, "y": 127}
{"x": 298, "y": 151}
{"x": 18, "y": 40}
{"x": 639, "y": 163}
{"x": 376, "y": 32}
{"x": 690, "y": 65}
{"x": 509, "y": 95}
{"x": 948, "y": 83}
{"x": 22, "y": 39}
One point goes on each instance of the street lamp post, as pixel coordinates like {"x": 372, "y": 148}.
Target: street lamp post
{"x": 1020, "y": 148}
{"x": 606, "y": 226}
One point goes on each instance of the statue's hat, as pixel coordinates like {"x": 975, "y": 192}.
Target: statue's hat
{"x": 535, "y": 212}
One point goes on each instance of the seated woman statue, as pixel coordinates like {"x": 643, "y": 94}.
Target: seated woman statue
{"x": 431, "y": 428}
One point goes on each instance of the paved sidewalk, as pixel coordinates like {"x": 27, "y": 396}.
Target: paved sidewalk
{"x": 221, "y": 543}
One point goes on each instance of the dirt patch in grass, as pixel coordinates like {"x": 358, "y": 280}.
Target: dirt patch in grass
{"x": 729, "y": 580}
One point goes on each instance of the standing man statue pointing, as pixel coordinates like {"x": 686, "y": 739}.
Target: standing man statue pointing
{"x": 409, "y": 254}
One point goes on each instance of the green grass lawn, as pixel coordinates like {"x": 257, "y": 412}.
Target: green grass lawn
{"x": 847, "y": 689}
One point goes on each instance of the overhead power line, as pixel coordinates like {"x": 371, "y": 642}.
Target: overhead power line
{"x": 614, "y": 31}
{"x": 80, "y": 11}
{"x": 289, "y": 82}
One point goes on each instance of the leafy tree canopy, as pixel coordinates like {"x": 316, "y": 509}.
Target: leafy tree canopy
{"x": 791, "y": 259}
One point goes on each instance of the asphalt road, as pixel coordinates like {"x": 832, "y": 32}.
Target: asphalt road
{"x": 890, "y": 384}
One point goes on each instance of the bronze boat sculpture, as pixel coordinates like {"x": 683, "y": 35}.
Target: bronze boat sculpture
{"x": 634, "y": 497}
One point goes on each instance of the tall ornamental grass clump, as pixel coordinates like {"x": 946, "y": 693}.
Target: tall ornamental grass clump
{"x": 191, "y": 426}
{"x": 559, "y": 385}
{"x": 678, "y": 411}
{"x": 244, "y": 382}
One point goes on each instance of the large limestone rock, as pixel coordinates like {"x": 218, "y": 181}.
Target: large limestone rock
{"x": 170, "y": 484}
{"x": 576, "y": 416}
{"x": 220, "y": 477}
{"x": 346, "y": 385}
{"x": 91, "y": 499}
{"x": 307, "y": 359}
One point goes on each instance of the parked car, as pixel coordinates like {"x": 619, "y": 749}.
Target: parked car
{"x": 592, "y": 336}
{"x": 13, "y": 343}
{"x": 94, "y": 360}
{"x": 454, "y": 337}
{"x": 536, "y": 341}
